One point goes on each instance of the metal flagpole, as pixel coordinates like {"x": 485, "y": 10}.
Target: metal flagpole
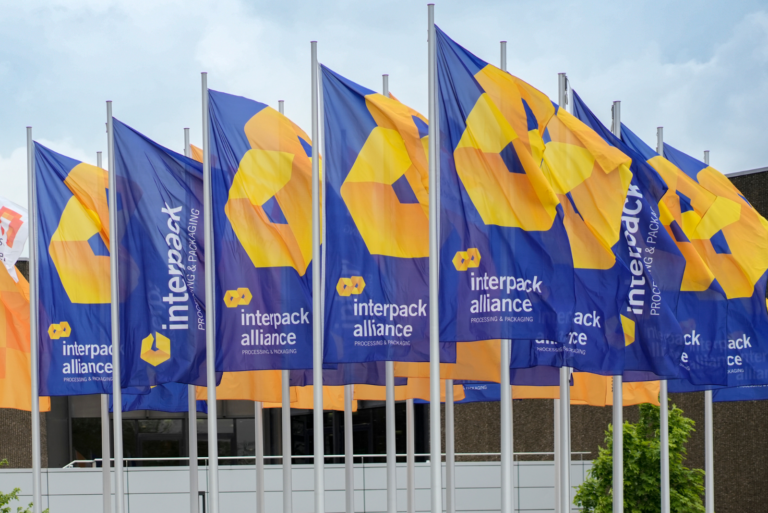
{"x": 618, "y": 395}
{"x": 558, "y": 455}
{"x": 210, "y": 311}
{"x": 106, "y": 461}
{"x": 507, "y": 490}
{"x": 258, "y": 418}
{"x": 664, "y": 410}
{"x": 434, "y": 323}
{"x": 317, "y": 332}
{"x": 192, "y": 408}
{"x": 390, "y": 404}
{"x": 286, "y": 418}
{"x": 410, "y": 449}
{"x": 349, "y": 451}
{"x": 117, "y": 396}
{"x": 450, "y": 450}
{"x": 709, "y": 445}
{"x": 565, "y": 374}
{"x": 34, "y": 348}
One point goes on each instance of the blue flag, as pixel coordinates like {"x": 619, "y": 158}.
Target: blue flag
{"x": 480, "y": 392}
{"x": 368, "y": 373}
{"x": 161, "y": 259}
{"x": 73, "y": 261}
{"x": 746, "y": 393}
{"x": 168, "y": 397}
{"x": 653, "y": 335}
{"x": 261, "y": 167}
{"x": 377, "y": 230}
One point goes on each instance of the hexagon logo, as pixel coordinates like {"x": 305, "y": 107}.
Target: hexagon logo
{"x": 461, "y": 261}
{"x": 156, "y": 352}
{"x": 231, "y": 299}
{"x": 54, "y": 331}
{"x": 473, "y": 258}
{"x": 358, "y": 284}
{"x": 64, "y": 330}
{"x": 344, "y": 287}
{"x": 245, "y": 296}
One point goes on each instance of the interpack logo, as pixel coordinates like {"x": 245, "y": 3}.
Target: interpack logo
{"x": 61, "y": 330}
{"x": 156, "y": 349}
{"x": 239, "y": 297}
{"x": 463, "y": 260}
{"x": 350, "y": 286}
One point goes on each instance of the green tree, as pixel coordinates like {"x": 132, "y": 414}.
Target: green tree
{"x": 642, "y": 468}
{"x": 6, "y": 498}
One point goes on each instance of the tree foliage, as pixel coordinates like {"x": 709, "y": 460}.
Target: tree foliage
{"x": 642, "y": 468}
{"x": 6, "y": 498}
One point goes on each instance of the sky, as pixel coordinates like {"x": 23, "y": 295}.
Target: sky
{"x": 700, "y": 69}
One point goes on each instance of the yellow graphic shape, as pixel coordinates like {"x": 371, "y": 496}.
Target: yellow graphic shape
{"x": 358, "y": 284}
{"x": 520, "y": 198}
{"x": 239, "y": 297}
{"x": 61, "y": 330}
{"x": 278, "y": 170}
{"x": 591, "y": 179}
{"x": 628, "y": 325}
{"x": 161, "y": 351}
{"x": 390, "y": 225}
{"x": 344, "y": 287}
{"x": 84, "y": 275}
{"x": 461, "y": 261}
{"x": 715, "y": 206}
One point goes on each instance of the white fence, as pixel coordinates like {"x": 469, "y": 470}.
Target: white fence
{"x": 166, "y": 489}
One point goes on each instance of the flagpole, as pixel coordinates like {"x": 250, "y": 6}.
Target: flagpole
{"x": 390, "y": 403}
{"x": 106, "y": 461}
{"x": 210, "y": 311}
{"x": 117, "y": 396}
{"x": 434, "y": 322}
{"x": 618, "y": 395}
{"x": 450, "y": 450}
{"x": 558, "y": 455}
{"x": 507, "y": 491}
{"x": 410, "y": 449}
{"x": 664, "y": 406}
{"x": 709, "y": 445}
{"x": 565, "y": 374}
{"x": 285, "y": 415}
{"x": 34, "y": 348}
{"x": 258, "y": 418}
{"x": 349, "y": 451}
{"x": 317, "y": 334}
{"x": 191, "y": 407}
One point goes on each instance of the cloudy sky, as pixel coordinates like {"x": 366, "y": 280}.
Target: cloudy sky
{"x": 700, "y": 69}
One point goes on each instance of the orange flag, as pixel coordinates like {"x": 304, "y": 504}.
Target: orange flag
{"x": 197, "y": 153}
{"x": 417, "y": 388}
{"x": 594, "y": 390}
{"x": 475, "y": 361}
{"x": 15, "y": 358}
{"x": 333, "y": 399}
{"x": 265, "y": 386}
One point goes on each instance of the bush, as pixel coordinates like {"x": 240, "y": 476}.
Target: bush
{"x": 642, "y": 468}
{"x": 6, "y": 498}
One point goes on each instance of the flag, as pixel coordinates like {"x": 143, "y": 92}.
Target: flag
{"x": 73, "y": 276}
{"x": 365, "y": 373}
{"x": 377, "y": 229}
{"x": 168, "y": 397}
{"x": 474, "y": 361}
{"x": 746, "y": 393}
{"x": 15, "y": 358}
{"x": 416, "y": 389}
{"x": 594, "y": 390}
{"x": 333, "y": 399}
{"x": 480, "y": 392}
{"x": 653, "y": 337}
{"x": 265, "y": 386}
{"x": 719, "y": 231}
{"x": 531, "y": 206}
{"x": 161, "y": 262}
{"x": 14, "y": 232}
{"x": 261, "y": 179}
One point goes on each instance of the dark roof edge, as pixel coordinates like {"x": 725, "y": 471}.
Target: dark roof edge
{"x": 748, "y": 172}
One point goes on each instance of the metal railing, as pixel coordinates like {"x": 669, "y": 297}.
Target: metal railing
{"x": 126, "y": 461}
